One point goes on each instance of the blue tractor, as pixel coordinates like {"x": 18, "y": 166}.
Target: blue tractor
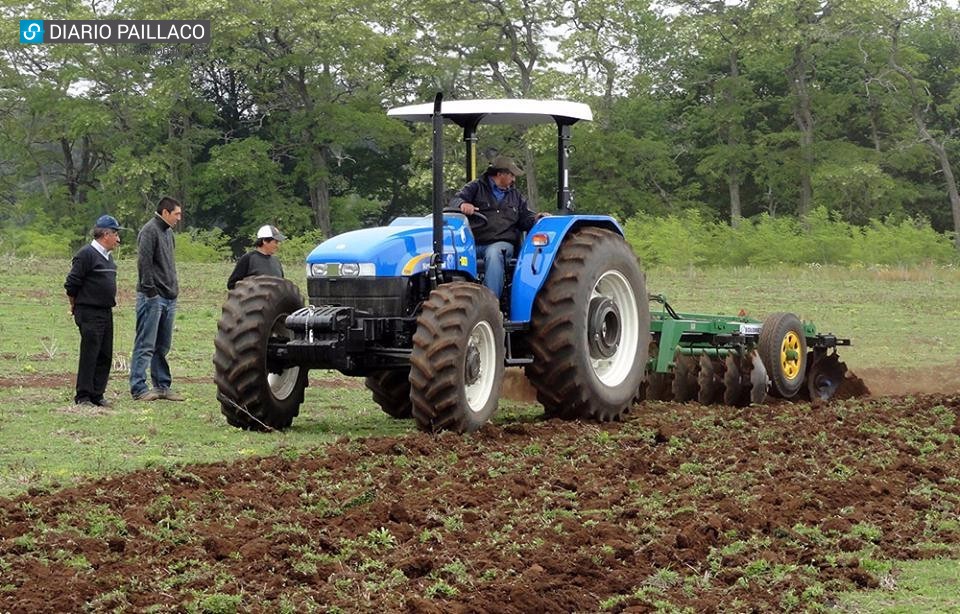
{"x": 403, "y": 306}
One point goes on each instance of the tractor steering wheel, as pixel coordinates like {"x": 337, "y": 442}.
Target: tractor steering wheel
{"x": 483, "y": 221}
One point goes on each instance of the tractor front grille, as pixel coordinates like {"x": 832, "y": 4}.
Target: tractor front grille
{"x": 379, "y": 296}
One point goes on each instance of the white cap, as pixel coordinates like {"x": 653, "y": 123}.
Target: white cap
{"x": 270, "y": 232}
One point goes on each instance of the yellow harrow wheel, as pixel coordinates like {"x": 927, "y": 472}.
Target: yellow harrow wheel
{"x": 783, "y": 350}
{"x": 791, "y": 355}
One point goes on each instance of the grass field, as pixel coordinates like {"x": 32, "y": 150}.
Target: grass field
{"x": 897, "y": 318}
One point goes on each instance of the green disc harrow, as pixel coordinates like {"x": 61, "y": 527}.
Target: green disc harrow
{"x": 738, "y": 360}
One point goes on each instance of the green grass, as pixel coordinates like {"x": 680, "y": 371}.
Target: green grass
{"x": 896, "y": 317}
{"x": 917, "y": 586}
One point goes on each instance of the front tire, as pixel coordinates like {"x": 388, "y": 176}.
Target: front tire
{"x": 391, "y": 391}
{"x": 590, "y": 329}
{"x": 251, "y": 395}
{"x": 457, "y": 362}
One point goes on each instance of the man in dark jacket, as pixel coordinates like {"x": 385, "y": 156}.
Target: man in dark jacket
{"x": 91, "y": 287}
{"x": 507, "y": 215}
{"x": 260, "y": 260}
{"x": 157, "y": 291}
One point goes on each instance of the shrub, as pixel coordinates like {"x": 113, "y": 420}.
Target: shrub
{"x": 821, "y": 237}
{"x": 676, "y": 240}
{"x": 40, "y": 243}
{"x": 911, "y": 241}
{"x": 197, "y": 245}
{"x": 293, "y": 251}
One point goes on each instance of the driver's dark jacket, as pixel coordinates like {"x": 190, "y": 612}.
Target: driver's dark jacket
{"x": 505, "y": 220}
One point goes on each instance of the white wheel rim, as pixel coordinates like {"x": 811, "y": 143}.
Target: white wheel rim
{"x": 284, "y": 383}
{"x": 614, "y": 370}
{"x": 482, "y": 339}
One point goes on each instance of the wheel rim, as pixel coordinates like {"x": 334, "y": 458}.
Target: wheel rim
{"x": 790, "y": 356}
{"x": 480, "y": 369}
{"x": 284, "y": 383}
{"x": 613, "y": 370}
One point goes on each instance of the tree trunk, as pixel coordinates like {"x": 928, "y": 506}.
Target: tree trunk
{"x": 941, "y": 152}
{"x": 917, "y": 111}
{"x": 954, "y": 196}
{"x": 733, "y": 181}
{"x": 320, "y": 192}
{"x": 803, "y": 116}
{"x": 733, "y": 172}
{"x": 69, "y": 169}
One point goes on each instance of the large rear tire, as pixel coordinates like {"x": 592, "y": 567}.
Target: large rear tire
{"x": 783, "y": 350}
{"x": 391, "y": 391}
{"x": 457, "y": 362}
{"x": 590, "y": 329}
{"x": 251, "y": 395}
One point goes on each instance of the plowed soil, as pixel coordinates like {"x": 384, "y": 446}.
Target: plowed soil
{"x": 705, "y": 508}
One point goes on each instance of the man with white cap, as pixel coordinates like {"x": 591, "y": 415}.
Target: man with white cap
{"x": 91, "y": 287}
{"x": 260, "y": 260}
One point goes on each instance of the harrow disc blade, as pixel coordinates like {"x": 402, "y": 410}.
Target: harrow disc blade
{"x": 658, "y": 385}
{"x": 825, "y": 377}
{"x": 734, "y": 392}
{"x": 684, "y": 378}
{"x": 709, "y": 380}
{"x": 759, "y": 382}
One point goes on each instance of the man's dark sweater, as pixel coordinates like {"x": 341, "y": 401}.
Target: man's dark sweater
{"x": 155, "y": 264}
{"x": 254, "y": 263}
{"x": 92, "y": 279}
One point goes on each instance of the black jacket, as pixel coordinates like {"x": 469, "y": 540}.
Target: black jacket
{"x": 92, "y": 279}
{"x": 505, "y": 220}
{"x": 254, "y": 263}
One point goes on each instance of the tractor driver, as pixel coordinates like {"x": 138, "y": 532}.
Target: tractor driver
{"x": 494, "y": 195}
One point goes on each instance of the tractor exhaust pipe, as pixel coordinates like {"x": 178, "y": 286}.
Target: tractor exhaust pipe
{"x": 437, "y": 260}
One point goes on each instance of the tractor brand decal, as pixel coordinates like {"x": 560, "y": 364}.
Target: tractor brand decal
{"x": 464, "y": 261}
{"x": 417, "y": 264}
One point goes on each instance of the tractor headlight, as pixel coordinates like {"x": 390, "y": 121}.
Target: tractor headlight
{"x": 325, "y": 270}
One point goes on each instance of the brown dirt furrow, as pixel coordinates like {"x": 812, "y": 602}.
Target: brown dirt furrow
{"x": 707, "y": 508}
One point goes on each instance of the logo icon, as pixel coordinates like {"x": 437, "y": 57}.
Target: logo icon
{"x": 31, "y": 31}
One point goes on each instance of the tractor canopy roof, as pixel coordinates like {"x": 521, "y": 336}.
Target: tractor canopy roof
{"x": 520, "y": 111}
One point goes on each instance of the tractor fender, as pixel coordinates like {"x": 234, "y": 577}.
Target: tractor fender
{"x": 535, "y": 263}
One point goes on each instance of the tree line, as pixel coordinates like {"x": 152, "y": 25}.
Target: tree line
{"x": 732, "y": 111}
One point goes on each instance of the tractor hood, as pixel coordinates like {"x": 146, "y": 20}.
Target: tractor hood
{"x": 401, "y": 249}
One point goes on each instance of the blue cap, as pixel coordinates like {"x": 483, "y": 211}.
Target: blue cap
{"x": 108, "y": 221}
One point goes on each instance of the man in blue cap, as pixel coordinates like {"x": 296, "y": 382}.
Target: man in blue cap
{"x": 91, "y": 287}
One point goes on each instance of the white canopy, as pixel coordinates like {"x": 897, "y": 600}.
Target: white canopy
{"x": 498, "y": 111}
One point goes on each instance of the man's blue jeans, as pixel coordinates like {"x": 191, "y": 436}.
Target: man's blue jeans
{"x": 154, "y": 337}
{"x": 495, "y": 257}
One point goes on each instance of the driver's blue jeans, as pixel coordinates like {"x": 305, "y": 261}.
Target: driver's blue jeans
{"x": 155, "y": 318}
{"x": 495, "y": 256}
